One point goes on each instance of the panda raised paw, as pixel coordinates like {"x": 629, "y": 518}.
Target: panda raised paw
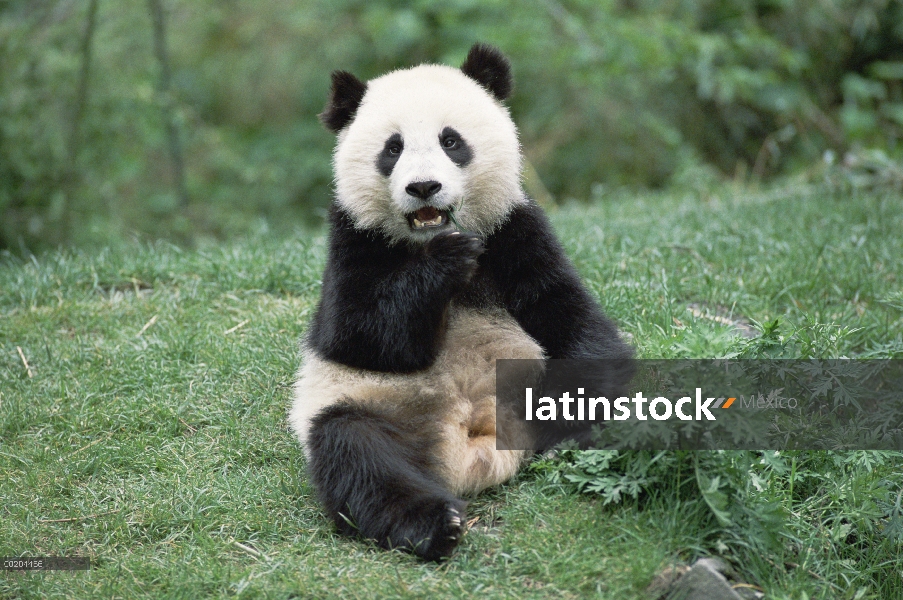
{"x": 457, "y": 249}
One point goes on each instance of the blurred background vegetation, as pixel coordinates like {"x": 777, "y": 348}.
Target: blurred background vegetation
{"x": 196, "y": 119}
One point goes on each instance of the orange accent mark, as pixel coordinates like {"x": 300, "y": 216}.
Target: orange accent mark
{"x": 728, "y": 403}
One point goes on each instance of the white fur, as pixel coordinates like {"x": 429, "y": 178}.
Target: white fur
{"x": 419, "y": 103}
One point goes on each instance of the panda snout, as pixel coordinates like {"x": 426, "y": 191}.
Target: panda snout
{"x": 423, "y": 205}
{"x": 423, "y": 189}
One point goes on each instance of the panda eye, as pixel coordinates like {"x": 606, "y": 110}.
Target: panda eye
{"x": 455, "y": 147}
{"x": 390, "y": 154}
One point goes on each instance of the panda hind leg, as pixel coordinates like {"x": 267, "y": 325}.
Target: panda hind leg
{"x": 377, "y": 479}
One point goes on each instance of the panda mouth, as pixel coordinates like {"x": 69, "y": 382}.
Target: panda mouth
{"x": 427, "y": 217}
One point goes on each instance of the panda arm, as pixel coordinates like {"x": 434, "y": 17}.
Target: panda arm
{"x": 542, "y": 290}
{"x": 383, "y": 307}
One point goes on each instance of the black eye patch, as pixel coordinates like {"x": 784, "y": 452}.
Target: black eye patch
{"x": 390, "y": 154}
{"x": 455, "y": 147}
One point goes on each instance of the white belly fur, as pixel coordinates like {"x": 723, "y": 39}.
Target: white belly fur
{"x": 463, "y": 373}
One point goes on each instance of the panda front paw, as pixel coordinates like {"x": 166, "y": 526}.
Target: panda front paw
{"x": 457, "y": 250}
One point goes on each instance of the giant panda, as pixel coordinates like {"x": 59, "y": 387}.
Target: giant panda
{"x": 438, "y": 264}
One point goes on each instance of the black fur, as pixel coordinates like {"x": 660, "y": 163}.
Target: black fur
{"x": 374, "y": 475}
{"x": 390, "y": 154}
{"x": 455, "y": 147}
{"x": 539, "y": 286}
{"x": 383, "y": 307}
{"x": 541, "y": 289}
{"x": 344, "y": 99}
{"x": 489, "y": 67}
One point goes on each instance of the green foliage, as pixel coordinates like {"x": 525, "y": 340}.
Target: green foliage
{"x": 792, "y": 266}
{"x": 608, "y": 94}
{"x": 798, "y": 508}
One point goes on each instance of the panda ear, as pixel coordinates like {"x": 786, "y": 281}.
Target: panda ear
{"x": 489, "y": 67}
{"x": 344, "y": 100}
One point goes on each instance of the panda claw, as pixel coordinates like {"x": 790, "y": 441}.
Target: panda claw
{"x": 448, "y": 535}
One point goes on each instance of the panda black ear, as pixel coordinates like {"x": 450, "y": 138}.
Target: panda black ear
{"x": 344, "y": 100}
{"x": 489, "y": 67}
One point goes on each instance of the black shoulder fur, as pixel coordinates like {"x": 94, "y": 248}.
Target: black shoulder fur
{"x": 383, "y": 306}
{"x": 542, "y": 290}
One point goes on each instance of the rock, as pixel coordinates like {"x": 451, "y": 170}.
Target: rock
{"x": 703, "y": 581}
{"x": 664, "y": 580}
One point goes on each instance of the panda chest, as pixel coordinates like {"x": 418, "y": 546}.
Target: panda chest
{"x": 476, "y": 337}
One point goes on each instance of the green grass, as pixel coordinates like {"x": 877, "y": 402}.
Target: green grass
{"x": 151, "y": 435}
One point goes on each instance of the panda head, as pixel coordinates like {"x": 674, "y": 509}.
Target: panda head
{"x": 418, "y": 144}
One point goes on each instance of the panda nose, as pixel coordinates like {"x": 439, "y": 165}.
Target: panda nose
{"x": 423, "y": 189}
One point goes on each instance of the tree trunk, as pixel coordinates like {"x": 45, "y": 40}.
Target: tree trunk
{"x": 166, "y": 98}
{"x": 73, "y": 145}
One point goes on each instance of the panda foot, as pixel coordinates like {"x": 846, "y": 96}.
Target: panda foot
{"x": 446, "y": 532}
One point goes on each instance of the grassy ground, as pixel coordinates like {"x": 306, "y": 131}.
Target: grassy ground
{"x": 148, "y": 430}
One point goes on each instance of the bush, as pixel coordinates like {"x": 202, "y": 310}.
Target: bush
{"x": 612, "y": 93}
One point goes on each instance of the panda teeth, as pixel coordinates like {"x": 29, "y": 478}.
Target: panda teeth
{"x": 434, "y": 222}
